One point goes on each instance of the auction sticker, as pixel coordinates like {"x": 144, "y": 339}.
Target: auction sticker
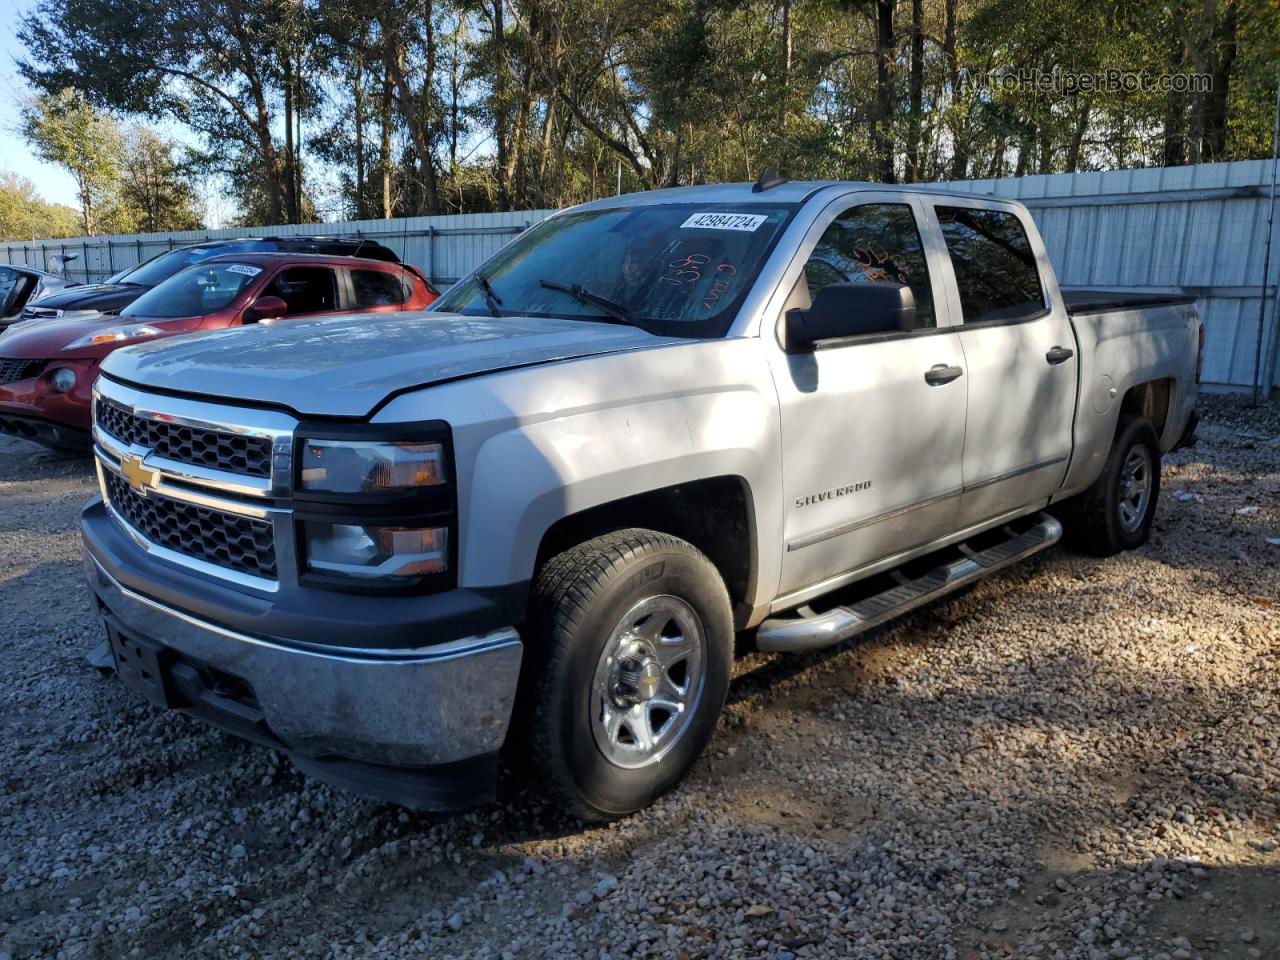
{"x": 246, "y": 270}
{"x": 747, "y": 222}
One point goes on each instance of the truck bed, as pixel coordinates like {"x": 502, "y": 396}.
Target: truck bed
{"x": 1091, "y": 301}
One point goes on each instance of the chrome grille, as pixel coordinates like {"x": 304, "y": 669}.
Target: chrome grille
{"x": 248, "y": 456}
{"x": 244, "y": 544}
{"x": 12, "y": 370}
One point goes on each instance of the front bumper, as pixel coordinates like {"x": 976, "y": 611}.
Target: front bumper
{"x": 419, "y": 726}
{"x": 32, "y": 410}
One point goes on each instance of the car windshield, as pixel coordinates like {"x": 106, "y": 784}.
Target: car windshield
{"x": 194, "y": 292}
{"x": 673, "y": 269}
{"x": 163, "y": 267}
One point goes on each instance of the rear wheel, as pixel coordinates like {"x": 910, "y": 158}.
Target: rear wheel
{"x": 628, "y": 664}
{"x": 1116, "y": 512}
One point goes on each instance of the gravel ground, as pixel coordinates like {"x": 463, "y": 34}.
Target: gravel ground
{"x": 1075, "y": 759}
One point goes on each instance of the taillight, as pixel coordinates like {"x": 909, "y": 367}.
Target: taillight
{"x": 1200, "y": 355}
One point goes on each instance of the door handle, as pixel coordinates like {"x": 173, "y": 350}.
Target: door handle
{"x": 1058, "y": 355}
{"x": 940, "y": 373}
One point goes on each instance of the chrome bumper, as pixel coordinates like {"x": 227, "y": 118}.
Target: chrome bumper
{"x": 413, "y": 708}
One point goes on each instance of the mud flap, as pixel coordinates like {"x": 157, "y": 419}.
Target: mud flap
{"x": 101, "y": 660}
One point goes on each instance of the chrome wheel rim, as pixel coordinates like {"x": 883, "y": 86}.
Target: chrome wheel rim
{"x": 648, "y": 681}
{"x": 1135, "y": 488}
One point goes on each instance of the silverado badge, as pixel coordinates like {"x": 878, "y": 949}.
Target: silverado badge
{"x": 832, "y": 494}
{"x": 139, "y": 477}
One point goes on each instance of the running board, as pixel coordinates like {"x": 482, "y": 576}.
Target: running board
{"x": 790, "y": 634}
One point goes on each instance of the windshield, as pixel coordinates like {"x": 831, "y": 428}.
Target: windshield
{"x": 673, "y": 269}
{"x": 153, "y": 271}
{"x": 195, "y": 292}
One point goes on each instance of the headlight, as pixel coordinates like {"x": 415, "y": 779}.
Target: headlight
{"x": 341, "y": 466}
{"x": 134, "y": 331}
{"x": 369, "y": 550}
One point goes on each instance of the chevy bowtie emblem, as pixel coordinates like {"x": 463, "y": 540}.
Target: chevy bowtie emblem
{"x": 139, "y": 477}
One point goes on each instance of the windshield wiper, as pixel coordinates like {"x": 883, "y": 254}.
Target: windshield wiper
{"x": 580, "y": 293}
{"x": 491, "y": 299}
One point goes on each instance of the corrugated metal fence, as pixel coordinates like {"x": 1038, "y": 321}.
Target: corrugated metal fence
{"x": 1198, "y": 230}
{"x": 445, "y": 248}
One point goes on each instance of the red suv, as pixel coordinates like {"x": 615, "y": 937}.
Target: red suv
{"x": 47, "y": 366}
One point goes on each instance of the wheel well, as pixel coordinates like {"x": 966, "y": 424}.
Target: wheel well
{"x": 1150, "y": 400}
{"x": 713, "y": 514}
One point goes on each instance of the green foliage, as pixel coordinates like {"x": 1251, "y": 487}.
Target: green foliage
{"x": 155, "y": 191}
{"x": 24, "y": 215}
{"x": 428, "y": 106}
{"x": 128, "y": 182}
{"x": 64, "y": 128}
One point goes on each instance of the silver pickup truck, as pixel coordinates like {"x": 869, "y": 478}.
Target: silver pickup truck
{"x": 531, "y": 521}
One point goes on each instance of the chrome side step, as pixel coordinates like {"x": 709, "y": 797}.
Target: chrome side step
{"x": 795, "y": 633}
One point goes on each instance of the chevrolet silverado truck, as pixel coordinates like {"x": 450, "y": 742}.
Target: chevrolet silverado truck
{"x": 531, "y": 521}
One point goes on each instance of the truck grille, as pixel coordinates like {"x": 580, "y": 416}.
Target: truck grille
{"x": 238, "y": 543}
{"x": 11, "y": 371}
{"x": 231, "y": 452}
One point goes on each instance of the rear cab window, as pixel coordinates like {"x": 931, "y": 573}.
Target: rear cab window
{"x": 995, "y": 267}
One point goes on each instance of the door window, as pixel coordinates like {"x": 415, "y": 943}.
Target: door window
{"x": 377, "y": 288}
{"x": 874, "y": 243}
{"x": 995, "y": 267}
{"x": 306, "y": 289}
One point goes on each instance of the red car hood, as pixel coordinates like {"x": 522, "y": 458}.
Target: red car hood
{"x": 44, "y": 339}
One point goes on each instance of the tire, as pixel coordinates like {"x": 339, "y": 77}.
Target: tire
{"x": 1110, "y": 516}
{"x": 617, "y": 624}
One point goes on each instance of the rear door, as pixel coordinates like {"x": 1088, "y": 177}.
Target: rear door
{"x": 378, "y": 291}
{"x": 871, "y": 447}
{"x": 1019, "y": 354}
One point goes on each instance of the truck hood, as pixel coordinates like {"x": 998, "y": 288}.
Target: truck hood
{"x": 345, "y": 366}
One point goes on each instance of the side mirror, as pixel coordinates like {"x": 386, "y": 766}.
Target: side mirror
{"x": 850, "y": 310}
{"x": 266, "y": 308}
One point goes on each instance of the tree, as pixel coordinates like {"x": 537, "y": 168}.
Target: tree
{"x": 24, "y": 215}
{"x": 431, "y": 106}
{"x": 67, "y": 130}
{"x": 155, "y": 188}
{"x": 219, "y": 66}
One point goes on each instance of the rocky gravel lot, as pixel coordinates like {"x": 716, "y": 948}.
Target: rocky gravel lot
{"x": 1077, "y": 759}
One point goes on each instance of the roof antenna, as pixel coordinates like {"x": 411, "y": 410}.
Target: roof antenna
{"x": 769, "y": 179}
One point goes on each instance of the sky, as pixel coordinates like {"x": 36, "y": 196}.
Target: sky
{"x": 53, "y": 183}
{"x": 16, "y": 156}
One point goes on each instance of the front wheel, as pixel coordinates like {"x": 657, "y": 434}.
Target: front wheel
{"x": 627, "y": 667}
{"x": 1116, "y": 512}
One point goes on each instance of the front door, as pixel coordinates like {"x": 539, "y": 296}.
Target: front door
{"x": 872, "y": 436}
{"x": 1019, "y": 359}
{"x": 306, "y": 290}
